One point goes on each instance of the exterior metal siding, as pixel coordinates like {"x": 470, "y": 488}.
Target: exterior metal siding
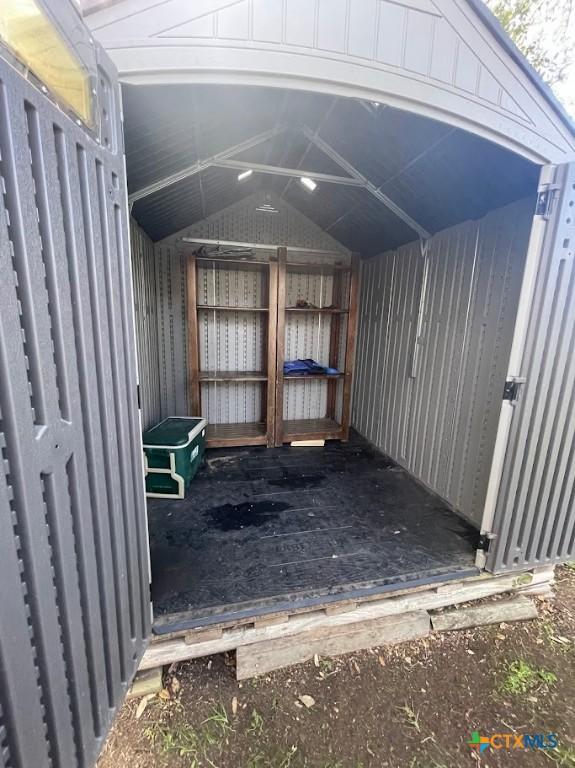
{"x": 433, "y": 347}
{"x": 145, "y": 311}
{"x": 74, "y": 591}
{"x": 535, "y": 514}
{"x": 227, "y": 350}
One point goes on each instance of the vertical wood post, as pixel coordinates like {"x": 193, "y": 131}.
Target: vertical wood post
{"x": 334, "y": 340}
{"x": 270, "y": 413}
{"x": 350, "y": 345}
{"x": 280, "y": 344}
{"x": 194, "y": 397}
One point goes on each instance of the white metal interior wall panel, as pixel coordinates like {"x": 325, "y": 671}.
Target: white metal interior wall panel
{"x": 434, "y": 341}
{"x": 74, "y": 592}
{"x": 443, "y": 58}
{"x": 225, "y": 349}
{"x": 145, "y": 313}
{"x": 535, "y": 512}
{"x": 171, "y": 313}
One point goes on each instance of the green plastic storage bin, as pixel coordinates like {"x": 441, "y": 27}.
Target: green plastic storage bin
{"x": 173, "y": 453}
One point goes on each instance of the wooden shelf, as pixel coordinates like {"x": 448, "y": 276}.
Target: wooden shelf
{"x": 318, "y": 310}
{"x": 316, "y": 268}
{"x": 311, "y": 429}
{"x": 220, "y": 261}
{"x": 229, "y": 435}
{"x": 328, "y": 376}
{"x": 233, "y": 309}
{"x": 233, "y": 376}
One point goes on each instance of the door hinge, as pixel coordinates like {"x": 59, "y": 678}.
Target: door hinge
{"x": 512, "y": 387}
{"x": 139, "y": 397}
{"x": 545, "y": 198}
{"x": 484, "y": 540}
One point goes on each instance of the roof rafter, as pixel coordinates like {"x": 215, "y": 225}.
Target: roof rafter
{"x": 201, "y": 165}
{"x": 276, "y": 170}
{"x": 328, "y": 150}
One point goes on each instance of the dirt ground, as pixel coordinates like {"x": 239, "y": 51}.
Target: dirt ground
{"x": 412, "y": 706}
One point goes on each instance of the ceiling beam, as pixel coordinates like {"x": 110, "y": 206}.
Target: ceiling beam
{"x": 328, "y": 150}
{"x": 276, "y": 170}
{"x": 201, "y": 165}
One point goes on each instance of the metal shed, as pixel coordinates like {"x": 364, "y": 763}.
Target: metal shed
{"x": 439, "y": 210}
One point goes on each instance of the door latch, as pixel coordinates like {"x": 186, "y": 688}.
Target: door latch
{"x": 545, "y": 199}
{"x": 512, "y": 388}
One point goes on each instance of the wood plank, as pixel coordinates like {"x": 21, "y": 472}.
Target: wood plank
{"x": 233, "y": 435}
{"x": 165, "y": 651}
{"x": 518, "y": 609}
{"x": 146, "y": 682}
{"x": 350, "y": 344}
{"x": 311, "y": 429}
{"x": 203, "y": 636}
{"x": 308, "y": 443}
{"x": 220, "y": 308}
{"x": 318, "y": 310}
{"x": 261, "y": 658}
{"x": 193, "y": 362}
{"x": 280, "y": 345}
{"x": 270, "y": 412}
{"x": 268, "y": 621}
{"x": 526, "y": 582}
{"x": 233, "y": 376}
{"x": 334, "y": 339}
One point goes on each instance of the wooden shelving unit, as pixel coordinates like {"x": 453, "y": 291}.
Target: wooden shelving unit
{"x": 232, "y": 307}
{"x": 330, "y": 341}
{"x": 240, "y": 331}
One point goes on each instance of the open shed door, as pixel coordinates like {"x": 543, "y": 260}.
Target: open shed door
{"x": 74, "y": 573}
{"x": 530, "y": 507}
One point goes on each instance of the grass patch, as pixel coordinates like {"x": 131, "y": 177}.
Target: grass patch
{"x": 194, "y": 743}
{"x": 256, "y": 723}
{"x": 522, "y": 677}
{"x": 563, "y": 755}
{"x": 411, "y": 717}
{"x": 182, "y": 740}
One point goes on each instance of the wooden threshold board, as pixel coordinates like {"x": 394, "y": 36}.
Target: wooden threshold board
{"x": 302, "y": 429}
{"x": 228, "y": 435}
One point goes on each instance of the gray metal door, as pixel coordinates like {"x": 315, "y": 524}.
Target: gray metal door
{"x": 533, "y": 488}
{"x": 74, "y": 573}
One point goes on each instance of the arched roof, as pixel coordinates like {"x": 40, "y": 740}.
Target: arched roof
{"x": 443, "y": 59}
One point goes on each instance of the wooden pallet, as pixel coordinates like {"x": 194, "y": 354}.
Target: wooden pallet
{"x": 262, "y": 643}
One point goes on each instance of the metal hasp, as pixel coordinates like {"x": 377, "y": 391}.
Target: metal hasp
{"x": 511, "y": 388}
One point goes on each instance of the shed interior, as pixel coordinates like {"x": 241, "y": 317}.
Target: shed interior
{"x": 401, "y": 269}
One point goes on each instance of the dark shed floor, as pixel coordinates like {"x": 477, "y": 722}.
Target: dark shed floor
{"x": 263, "y": 528}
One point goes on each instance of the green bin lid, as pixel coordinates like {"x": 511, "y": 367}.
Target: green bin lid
{"x": 174, "y": 431}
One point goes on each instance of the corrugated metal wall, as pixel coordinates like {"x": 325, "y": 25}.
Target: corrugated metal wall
{"x": 74, "y": 589}
{"x": 434, "y": 340}
{"x": 145, "y": 311}
{"x": 239, "y": 222}
{"x": 535, "y": 513}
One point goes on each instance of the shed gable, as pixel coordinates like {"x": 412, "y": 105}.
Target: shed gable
{"x": 435, "y": 57}
{"x": 242, "y": 221}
